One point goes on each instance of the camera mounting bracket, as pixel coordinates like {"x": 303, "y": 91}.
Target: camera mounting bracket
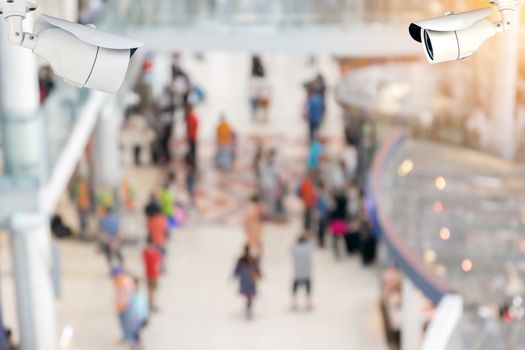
{"x": 14, "y": 12}
{"x": 506, "y": 9}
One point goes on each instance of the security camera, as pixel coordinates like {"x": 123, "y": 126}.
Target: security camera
{"x": 82, "y": 56}
{"x": 457, "y": 36}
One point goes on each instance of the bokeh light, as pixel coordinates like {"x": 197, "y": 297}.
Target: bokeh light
{"x": 441, "y": 183}
{"x": 466, "y": 265}
{"x": 444, "y": 233}
{"x": 405, "y": 167}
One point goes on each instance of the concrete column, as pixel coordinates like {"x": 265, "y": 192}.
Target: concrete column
{"x": 31, "y": 245}
{"x": 502, "y": 105}
{"x": 411, "y": 328}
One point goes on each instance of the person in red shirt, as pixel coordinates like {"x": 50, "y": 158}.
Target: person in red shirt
{"x": 158, "y": 230}
{"x": 192, "y": 127}
{"x": 308, "y": 194}
{"x": 152, "y": 264}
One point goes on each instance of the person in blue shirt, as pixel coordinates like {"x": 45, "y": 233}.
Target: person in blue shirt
{"x": 314, "y": 154}
{"x": 316, "y": 111}
{"x": 139, "y": 313}
{"x": 109, "y": 235}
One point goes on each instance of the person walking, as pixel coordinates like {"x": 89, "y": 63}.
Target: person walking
{"x": 192, "y": 127}
{"x": 248, "y": 273}
{"x": 191, "y": 183}
{"x": 270, "y": 181}
{"x": 308, "y": 196}
{"x": 139, "y": 314}
{"x": 153, "y": 206}
{"x": 252, "y": 223}
{"x": 302, "y": 253}
{"x": 123, "y": 293}
{"x": 158, "y": 229}
{"x": 323, "y": 213}
{"x": 338, "y": 221}
{"x": 81, "y": 196}
{"x": 260, "y": 94}
{"x": 315, "y": 153}
{"x": 225, "y": 144}
{"x": 167, "y": 205}
{"x": 152, "y": 258}
{"x": 109, "y": 236}
{"x": 315, "y": 112}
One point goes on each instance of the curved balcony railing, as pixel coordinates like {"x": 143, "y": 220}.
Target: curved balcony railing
{"x": 452, "y": 219}
{"x": 433, "y": 286}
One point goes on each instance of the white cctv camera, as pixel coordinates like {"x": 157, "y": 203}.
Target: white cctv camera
{"x": 81, "y": 55}
{"x": 457, "y": 36}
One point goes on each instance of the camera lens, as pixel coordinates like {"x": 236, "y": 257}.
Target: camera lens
{"x": 428, "y": 45}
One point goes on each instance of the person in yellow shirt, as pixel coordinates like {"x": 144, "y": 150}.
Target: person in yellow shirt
{"x": 225, "y": 144}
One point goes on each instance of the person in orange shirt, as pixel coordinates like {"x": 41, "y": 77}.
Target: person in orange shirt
{"x": 308, "y": 194}
{"x": 225, "y": 141}
{"x": 192, "y": 127}
{"x": 82, "y": 196}
{"x": 123, "y": 294}
{"x": 253, "y": 226}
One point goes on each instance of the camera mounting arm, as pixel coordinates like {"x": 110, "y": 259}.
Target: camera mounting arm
{"x": 506, "y": 9}
{"x": 14, "y": 12}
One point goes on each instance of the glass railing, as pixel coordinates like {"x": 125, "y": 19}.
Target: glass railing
{"x": 214, "y": 13}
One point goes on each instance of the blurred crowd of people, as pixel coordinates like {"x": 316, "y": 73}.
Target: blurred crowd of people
{"x": 332, "y": 193}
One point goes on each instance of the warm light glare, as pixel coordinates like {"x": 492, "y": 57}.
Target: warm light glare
{"x": 437, "y": 207}
{"x": 444, "y": 233}
{"x": 405, "y": 168}
{"x": 466, "y": 265}
{"x": 66, "y": 338}
{"x": 441, "y": 183}
{"x": 430, "y": 256}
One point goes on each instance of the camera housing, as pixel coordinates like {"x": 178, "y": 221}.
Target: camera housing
{"x": 457, "y": 36}
{"x": 81, "y": 55}
{"x": 454, "y": 36}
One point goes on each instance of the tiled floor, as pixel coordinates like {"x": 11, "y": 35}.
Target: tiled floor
{"x": 200, "y": 308}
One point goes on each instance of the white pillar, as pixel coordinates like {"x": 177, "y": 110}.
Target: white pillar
{"x": 31, "y": 245}
{"x": 23, "y": 148}
{"x": 502, "y": 108}
{"x": 21, "y": 125}
{"x": 411, "y": 329}
{"x": 106, "y": 152}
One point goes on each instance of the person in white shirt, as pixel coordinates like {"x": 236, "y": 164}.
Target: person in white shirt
{"x": 302, "y": 253}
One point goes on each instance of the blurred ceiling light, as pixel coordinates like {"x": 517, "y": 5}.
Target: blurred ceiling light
{"x": 466, "y": 265}
{"x": 430, "y": 256}
{"x": 444, "y": 233}
{"x": 441, "y": 270}
{"x": 405, "y": 167}
{"x": 437, "y": 207}
{"x": 522, "y": 246}
{"x": 441, "y": 183}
